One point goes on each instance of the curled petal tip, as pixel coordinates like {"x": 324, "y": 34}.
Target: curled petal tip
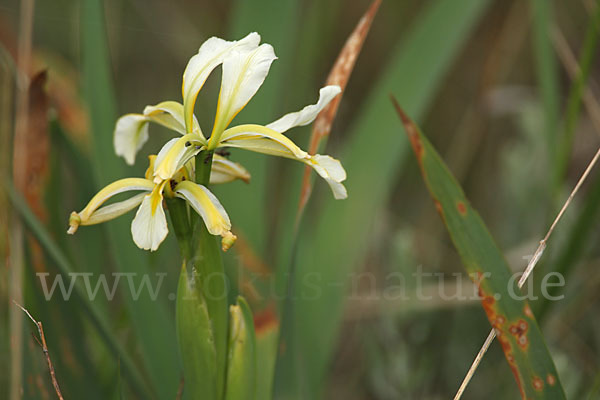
{"x": 228, "y": 241}
{"x": 74, "y": 222}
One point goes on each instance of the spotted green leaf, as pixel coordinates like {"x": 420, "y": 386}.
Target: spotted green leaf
{"x": 508, "y": 313}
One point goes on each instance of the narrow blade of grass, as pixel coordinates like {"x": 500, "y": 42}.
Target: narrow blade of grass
{"x": 337, "y": 244}
{"x": 516, "y": 327}
{"x": 546, "y": 67}
{"x": 588, "y": 53}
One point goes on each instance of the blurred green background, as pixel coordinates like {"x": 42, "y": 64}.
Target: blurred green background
{"x": 494, "y": 85}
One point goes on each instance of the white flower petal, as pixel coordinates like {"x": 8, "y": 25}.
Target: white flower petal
{"x": 131, "y": 132}
{"x": 327, "y": 166}
{"x": 224, "y": 171}
{"x": 170, "y": 115}
{"x": 210, "y": 55}
{"x": 149, "y": 227}
{"x": 332, "y": 171}
{"x": 207, "y": 205}
{"x": 244, "y": 71}
{"x": 308, "y": 113}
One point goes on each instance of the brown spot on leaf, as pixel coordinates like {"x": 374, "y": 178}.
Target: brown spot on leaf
{"x": 519, "y": 331}
{"x": 538, "y": 383}
{"x": 499, "y": 321}
{"x": 550, "y": 379}
{"x": 438, "y": 207}
{"x": 528, "y": 312}
{"x": 462, "y": 209}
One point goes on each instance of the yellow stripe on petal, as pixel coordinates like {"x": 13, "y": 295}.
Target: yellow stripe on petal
{"x": 156, "y": 197}
{"x": 264, "y": 140}
{"x": 237, "y": 136}
{"x": 244, "y": 71}
{"x": 149, "y": 227}
{"x": 206, "y": 205}
{"x": 174, "y": 155}
{"x": 120, "y": 186}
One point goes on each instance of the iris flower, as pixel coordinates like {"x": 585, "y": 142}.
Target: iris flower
{"x": 245, "y": 66}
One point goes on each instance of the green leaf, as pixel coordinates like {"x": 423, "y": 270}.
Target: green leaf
{"x": 196, "y": 339}
{"x": 267, "y": 336}
{"x": 546, "y": 68}
{"x": 516, "y": 327}
{"x": 241, "y": 365}
{"x": 208, "y": 264}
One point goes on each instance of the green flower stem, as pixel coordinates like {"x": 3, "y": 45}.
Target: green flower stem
{"x": 205, "y": 272}
{"x": 209, "y": 266}
{"x": 203, "y": 166}
{"x": 181, "y": 225}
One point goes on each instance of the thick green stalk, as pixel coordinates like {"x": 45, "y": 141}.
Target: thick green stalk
{"x": 196, "y": 339}
{"x": 209, "y": 267}
{"x": 201, "y": 252}
{"x": 181, "y": 225}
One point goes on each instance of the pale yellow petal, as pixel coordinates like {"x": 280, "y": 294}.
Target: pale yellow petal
{"x": 120, "y": 186}
{"x": 224, "y": 171}
{"x": 206, "y": 205}
{"x": 264, "y": 140}
{"x": 247, "y": 134}
{"x": 174, "y": 155}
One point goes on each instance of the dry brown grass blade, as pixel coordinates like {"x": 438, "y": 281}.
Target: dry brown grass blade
{"x": 16, "y": 229}
{"x": 339, "y": 75}
{"x": 42, "y": 342}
